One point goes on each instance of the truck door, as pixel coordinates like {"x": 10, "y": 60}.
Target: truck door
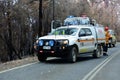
{"x": 86, "y": 40}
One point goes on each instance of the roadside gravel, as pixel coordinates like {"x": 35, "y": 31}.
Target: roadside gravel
{"x": 15, "y": 63}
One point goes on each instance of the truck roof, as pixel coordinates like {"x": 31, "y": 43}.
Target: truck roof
{"x": 77, "y": 21}
{"x": 77, "y": 26}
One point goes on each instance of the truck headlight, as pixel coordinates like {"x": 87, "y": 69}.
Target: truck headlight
{"x": 63, "y": 42}
{"x": 51, "y": 43}
{"x": 40, "y": 42}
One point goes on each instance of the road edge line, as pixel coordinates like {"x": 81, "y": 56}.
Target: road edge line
{"x": 17, "y": 67}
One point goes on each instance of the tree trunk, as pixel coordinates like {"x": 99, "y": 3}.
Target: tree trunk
{"x": 40, "y": 19}
{"x": 8, "y": 39}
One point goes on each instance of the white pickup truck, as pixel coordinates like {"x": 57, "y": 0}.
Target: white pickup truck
{"x": 70, "y": 41}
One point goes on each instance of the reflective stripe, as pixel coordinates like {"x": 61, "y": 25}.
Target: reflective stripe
{"x": 83, "y": 50}
{"x": 90, "y": 40}
{"x": 101, "y": 39}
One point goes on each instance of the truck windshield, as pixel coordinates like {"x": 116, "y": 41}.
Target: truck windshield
{"x": 65, "y": 31}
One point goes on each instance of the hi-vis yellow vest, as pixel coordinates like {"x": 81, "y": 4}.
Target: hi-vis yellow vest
{"x": 107, "y": 35}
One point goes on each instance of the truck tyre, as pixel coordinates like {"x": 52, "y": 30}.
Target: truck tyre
{"x": 113, "y": 45}
{"x": 72, "y": 55}
{"x": 110, "y": 45}
{"x": 98, "y": 52}
{"x": 41, "y": 58}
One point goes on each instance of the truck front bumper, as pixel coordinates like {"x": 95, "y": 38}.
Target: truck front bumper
{"x": 55, "y": 51}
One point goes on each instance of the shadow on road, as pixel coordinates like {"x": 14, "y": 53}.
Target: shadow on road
{"x": 65, "y": 61}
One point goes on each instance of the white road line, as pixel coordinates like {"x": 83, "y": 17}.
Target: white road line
{"x": 22, "y": 66}
{"x": 94, "y": 72}
{"x": 17, "y": 67}
{"x": 91, "y": 72}
{"x": 93, "y": 75}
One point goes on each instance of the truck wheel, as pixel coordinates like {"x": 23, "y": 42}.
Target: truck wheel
{"x": 41, "y": 58}
{"x": 110, "y": 45}
{"x": 98, "y": 52}
{"x": 113, "y": 45}
{"x": 73, "y": 55}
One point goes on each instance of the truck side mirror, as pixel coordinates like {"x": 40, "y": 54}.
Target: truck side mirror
{"x": 55, "y": 24}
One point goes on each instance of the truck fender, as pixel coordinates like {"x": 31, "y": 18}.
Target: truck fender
{"x": 76, "y": 46}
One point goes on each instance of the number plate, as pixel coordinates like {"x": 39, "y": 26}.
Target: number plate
{"x": 46, "y": 47}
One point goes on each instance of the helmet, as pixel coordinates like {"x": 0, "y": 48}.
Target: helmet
{"x": 106, "y": 28}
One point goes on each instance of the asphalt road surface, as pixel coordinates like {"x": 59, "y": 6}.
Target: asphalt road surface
{"x": 86, "y": 68}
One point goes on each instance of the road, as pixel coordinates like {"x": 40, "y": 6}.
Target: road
{"x": 86, "y": 68}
